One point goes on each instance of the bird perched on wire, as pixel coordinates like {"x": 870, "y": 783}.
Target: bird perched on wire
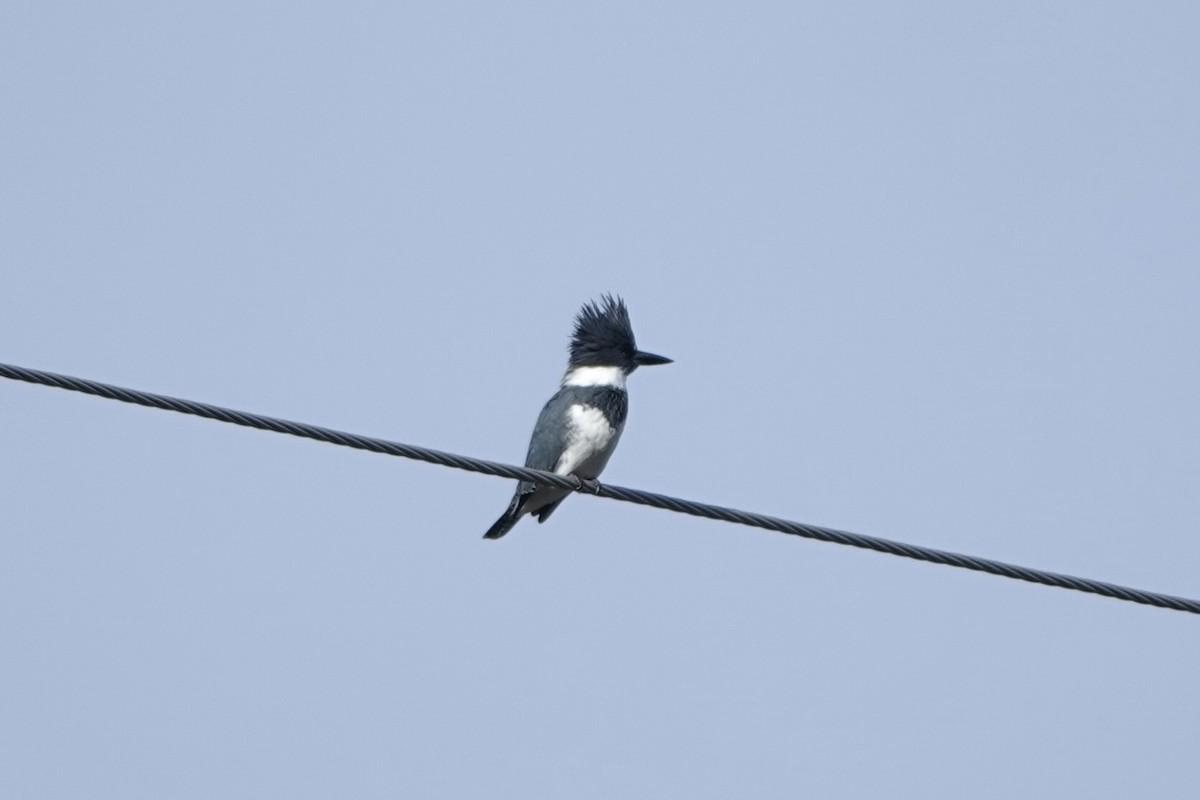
{"x": 578, "y": 428}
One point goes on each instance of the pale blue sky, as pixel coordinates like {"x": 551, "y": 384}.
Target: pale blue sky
{"x": 928, "y": 271}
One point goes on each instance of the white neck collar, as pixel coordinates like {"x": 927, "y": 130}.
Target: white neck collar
{"x": 595, "y": 376}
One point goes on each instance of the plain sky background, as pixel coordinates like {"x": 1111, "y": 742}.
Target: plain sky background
{"x": 929, "y": 271}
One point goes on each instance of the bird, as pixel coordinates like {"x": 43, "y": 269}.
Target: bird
{"x": 580, "y": 425}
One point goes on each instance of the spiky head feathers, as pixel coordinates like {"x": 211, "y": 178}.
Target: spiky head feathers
{"x": 603, "y": 335}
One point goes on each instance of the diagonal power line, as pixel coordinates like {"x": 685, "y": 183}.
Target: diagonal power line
{"x": 603, "y": 490}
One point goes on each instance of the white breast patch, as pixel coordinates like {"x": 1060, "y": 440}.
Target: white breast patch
{"x": 590, "y": 442}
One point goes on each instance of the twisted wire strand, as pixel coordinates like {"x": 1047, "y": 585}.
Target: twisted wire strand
{"x": 637, "y": 496}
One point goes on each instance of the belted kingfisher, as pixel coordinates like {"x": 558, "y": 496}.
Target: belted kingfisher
{"x": 578, "y": 428}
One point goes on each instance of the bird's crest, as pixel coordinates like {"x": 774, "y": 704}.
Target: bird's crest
{"x": 603, "y": 334}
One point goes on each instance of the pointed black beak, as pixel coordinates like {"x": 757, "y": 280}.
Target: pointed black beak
{"x": 649, "y": 359}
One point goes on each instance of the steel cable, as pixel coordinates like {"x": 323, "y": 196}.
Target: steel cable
{"x": 638, "y": 496}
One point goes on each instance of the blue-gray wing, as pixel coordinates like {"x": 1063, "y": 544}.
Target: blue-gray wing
{"x": 549, "y": 435}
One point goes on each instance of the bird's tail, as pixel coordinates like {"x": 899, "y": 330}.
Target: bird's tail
{"x": 506, "y": 521}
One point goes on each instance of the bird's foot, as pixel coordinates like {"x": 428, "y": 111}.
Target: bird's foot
{"x": 587, "y": 485}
